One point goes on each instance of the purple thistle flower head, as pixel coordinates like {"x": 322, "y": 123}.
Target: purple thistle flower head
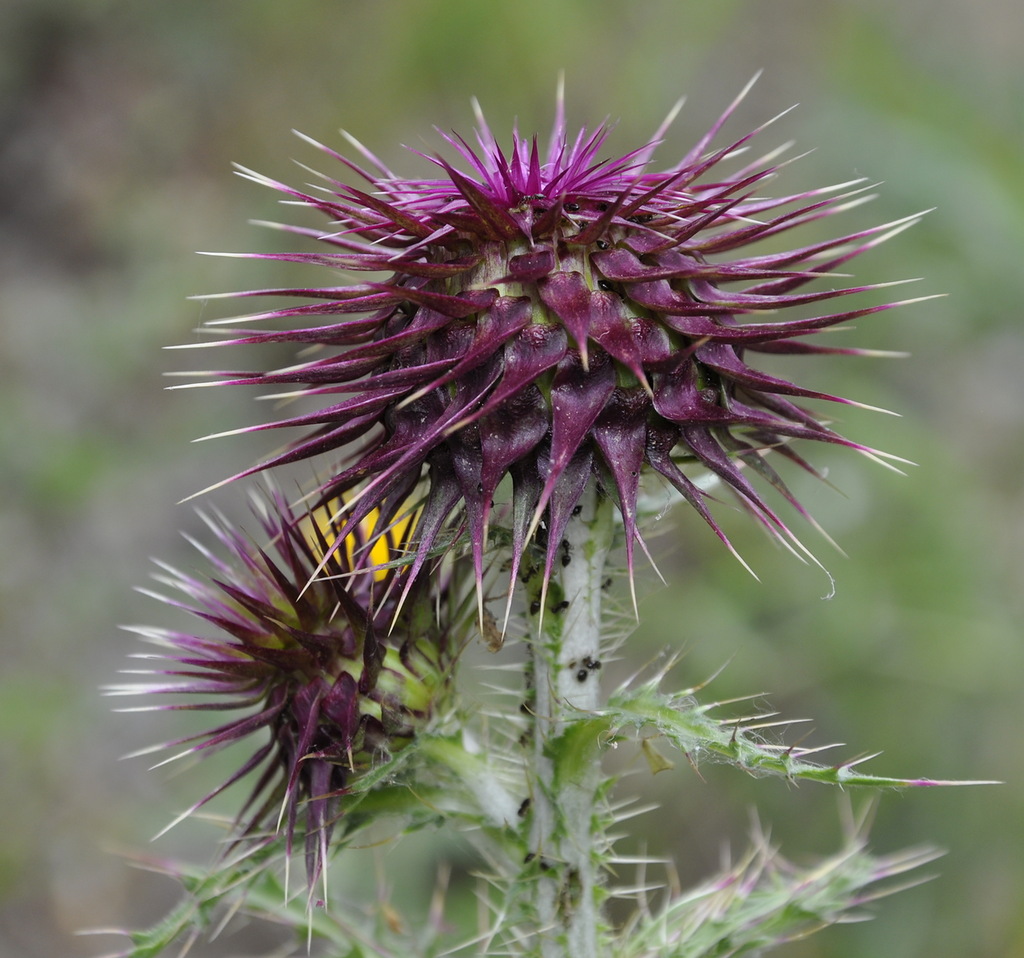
{"x": 553, "y": 317}
{"x": 336, "y": 679}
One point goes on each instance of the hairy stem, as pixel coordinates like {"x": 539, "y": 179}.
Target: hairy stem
{"x": 567, "y": 774}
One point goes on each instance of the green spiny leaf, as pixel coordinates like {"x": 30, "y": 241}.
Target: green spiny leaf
{"x": 697, "y": 734}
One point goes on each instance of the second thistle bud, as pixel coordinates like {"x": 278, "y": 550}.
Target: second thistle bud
{"x": 296, "y": 645}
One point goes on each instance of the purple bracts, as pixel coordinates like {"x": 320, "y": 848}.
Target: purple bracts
{"x": 551, "y": 319}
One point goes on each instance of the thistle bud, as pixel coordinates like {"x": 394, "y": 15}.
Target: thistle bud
{"x": 331, "y": 678}
{"x": 555, "y": 318}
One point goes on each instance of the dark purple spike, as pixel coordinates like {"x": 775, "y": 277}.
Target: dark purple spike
{"x": 241, "y": 772}
{"x": 511, "y": 431}
{"x": 467, "y": 460}
{"x": 550, "y": 217}
{"x": 287, "y": 589}
{"x": 493, "y": 217}
{"x": 229, "y": 620}
{"x": 423, "y": 322}
{"x": 340, "y": 261}
{"x": 568, "y": 487}
{"x": 321, "y": 816}
{"x": 340, "y": 707}
{"x": 197, "y": 645}
{"x": 507, "y": 317}
{"x": 400, "y": 456}
{"x": 246, "y": 693}
{"x": 694, "y": 268}
{"x": 468, "y": 303}
{"x": 722, "y": 358}
{"x": 527, "y": 486}
{"x": 401, "y": 378}
{"x": 450, "y": 344}
{"x": 365, "y": 405}
{"x": 288, "y": 657}
{"x": 620, "y": 434}
{"x": 706, "y": 292}
{"x": 695, "y": 319}
{"x": 332, "y": 209}
{"x": 304, "y": 718}
{"x": 507, "y": 193}
{"x": 775, "y": 430}
{"x": 747, "y": 233}
{"x": 507, "y": 435}
{"x": 457, "y": 219}
{"x": 362, "y": 303}
{"x": 715, "y": 201}
{"x": 334, "y": 635}
{"x": 390, "y": 213}
{"x": 594, "y": 230}
{"x": 373, "y": 659}
{"x": 702, "y": 444}
{"x": 655, "y": 346}
{"x": 700, "y": 216}
{"x": 394, "y": 524}
{"x": 658, "y": 296}
{"x": 348, "y": 332}
{"x": 533, "y": 180}
{"x": 790, "y": 347}
{"x": 444, "y": 492}
{"x": 425, "y": 270}
{"x": 578, "y": 397}
{"x": 320, "y": 442}
{"x": 567, "y": 295}
{"x": 803, "y": 254}
{"x": 515, "y": 180}
{"x": 679, "y": 398}
{"x": 407, "y": 428}
{"x": 223, "y": 735}
{"x": 691, "y": 169}
{"x": 333, "y": 371}
{"x": 660, "y": 186}
{"x": 755, "y": 460}
{"x": 269, "y": 776}
{"x": 342, "y": 239}
{"x": 786, "y": 451}
{"x": 269, "y": 713}
{"x": 530, "y": 354}
{"x": 387, "y": 484}
{"x": 660, "y": 443}
{"x": 231, "y": 669}
{"x": 350, "y": 164}
{"x": 784, "y": 412}
{"x": 622, "y": 265}
{"x": 256, "y": 606}
{"x": 620, "y": 333}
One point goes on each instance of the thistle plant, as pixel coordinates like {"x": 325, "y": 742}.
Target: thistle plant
{"x": 542, "y": 332}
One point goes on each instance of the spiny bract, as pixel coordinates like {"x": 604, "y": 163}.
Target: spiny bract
{"x": 556, "y": 318}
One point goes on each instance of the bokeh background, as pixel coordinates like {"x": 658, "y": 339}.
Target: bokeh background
{"x": 118, "y": 123}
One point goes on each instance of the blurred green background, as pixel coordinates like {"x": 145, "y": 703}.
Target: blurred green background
{"x": 119, "y": 123}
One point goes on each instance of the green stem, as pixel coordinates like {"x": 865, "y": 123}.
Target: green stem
{"x": 567, "y": 777}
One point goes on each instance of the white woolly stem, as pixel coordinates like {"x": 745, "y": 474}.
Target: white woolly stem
{"x": 566, "y": 664}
